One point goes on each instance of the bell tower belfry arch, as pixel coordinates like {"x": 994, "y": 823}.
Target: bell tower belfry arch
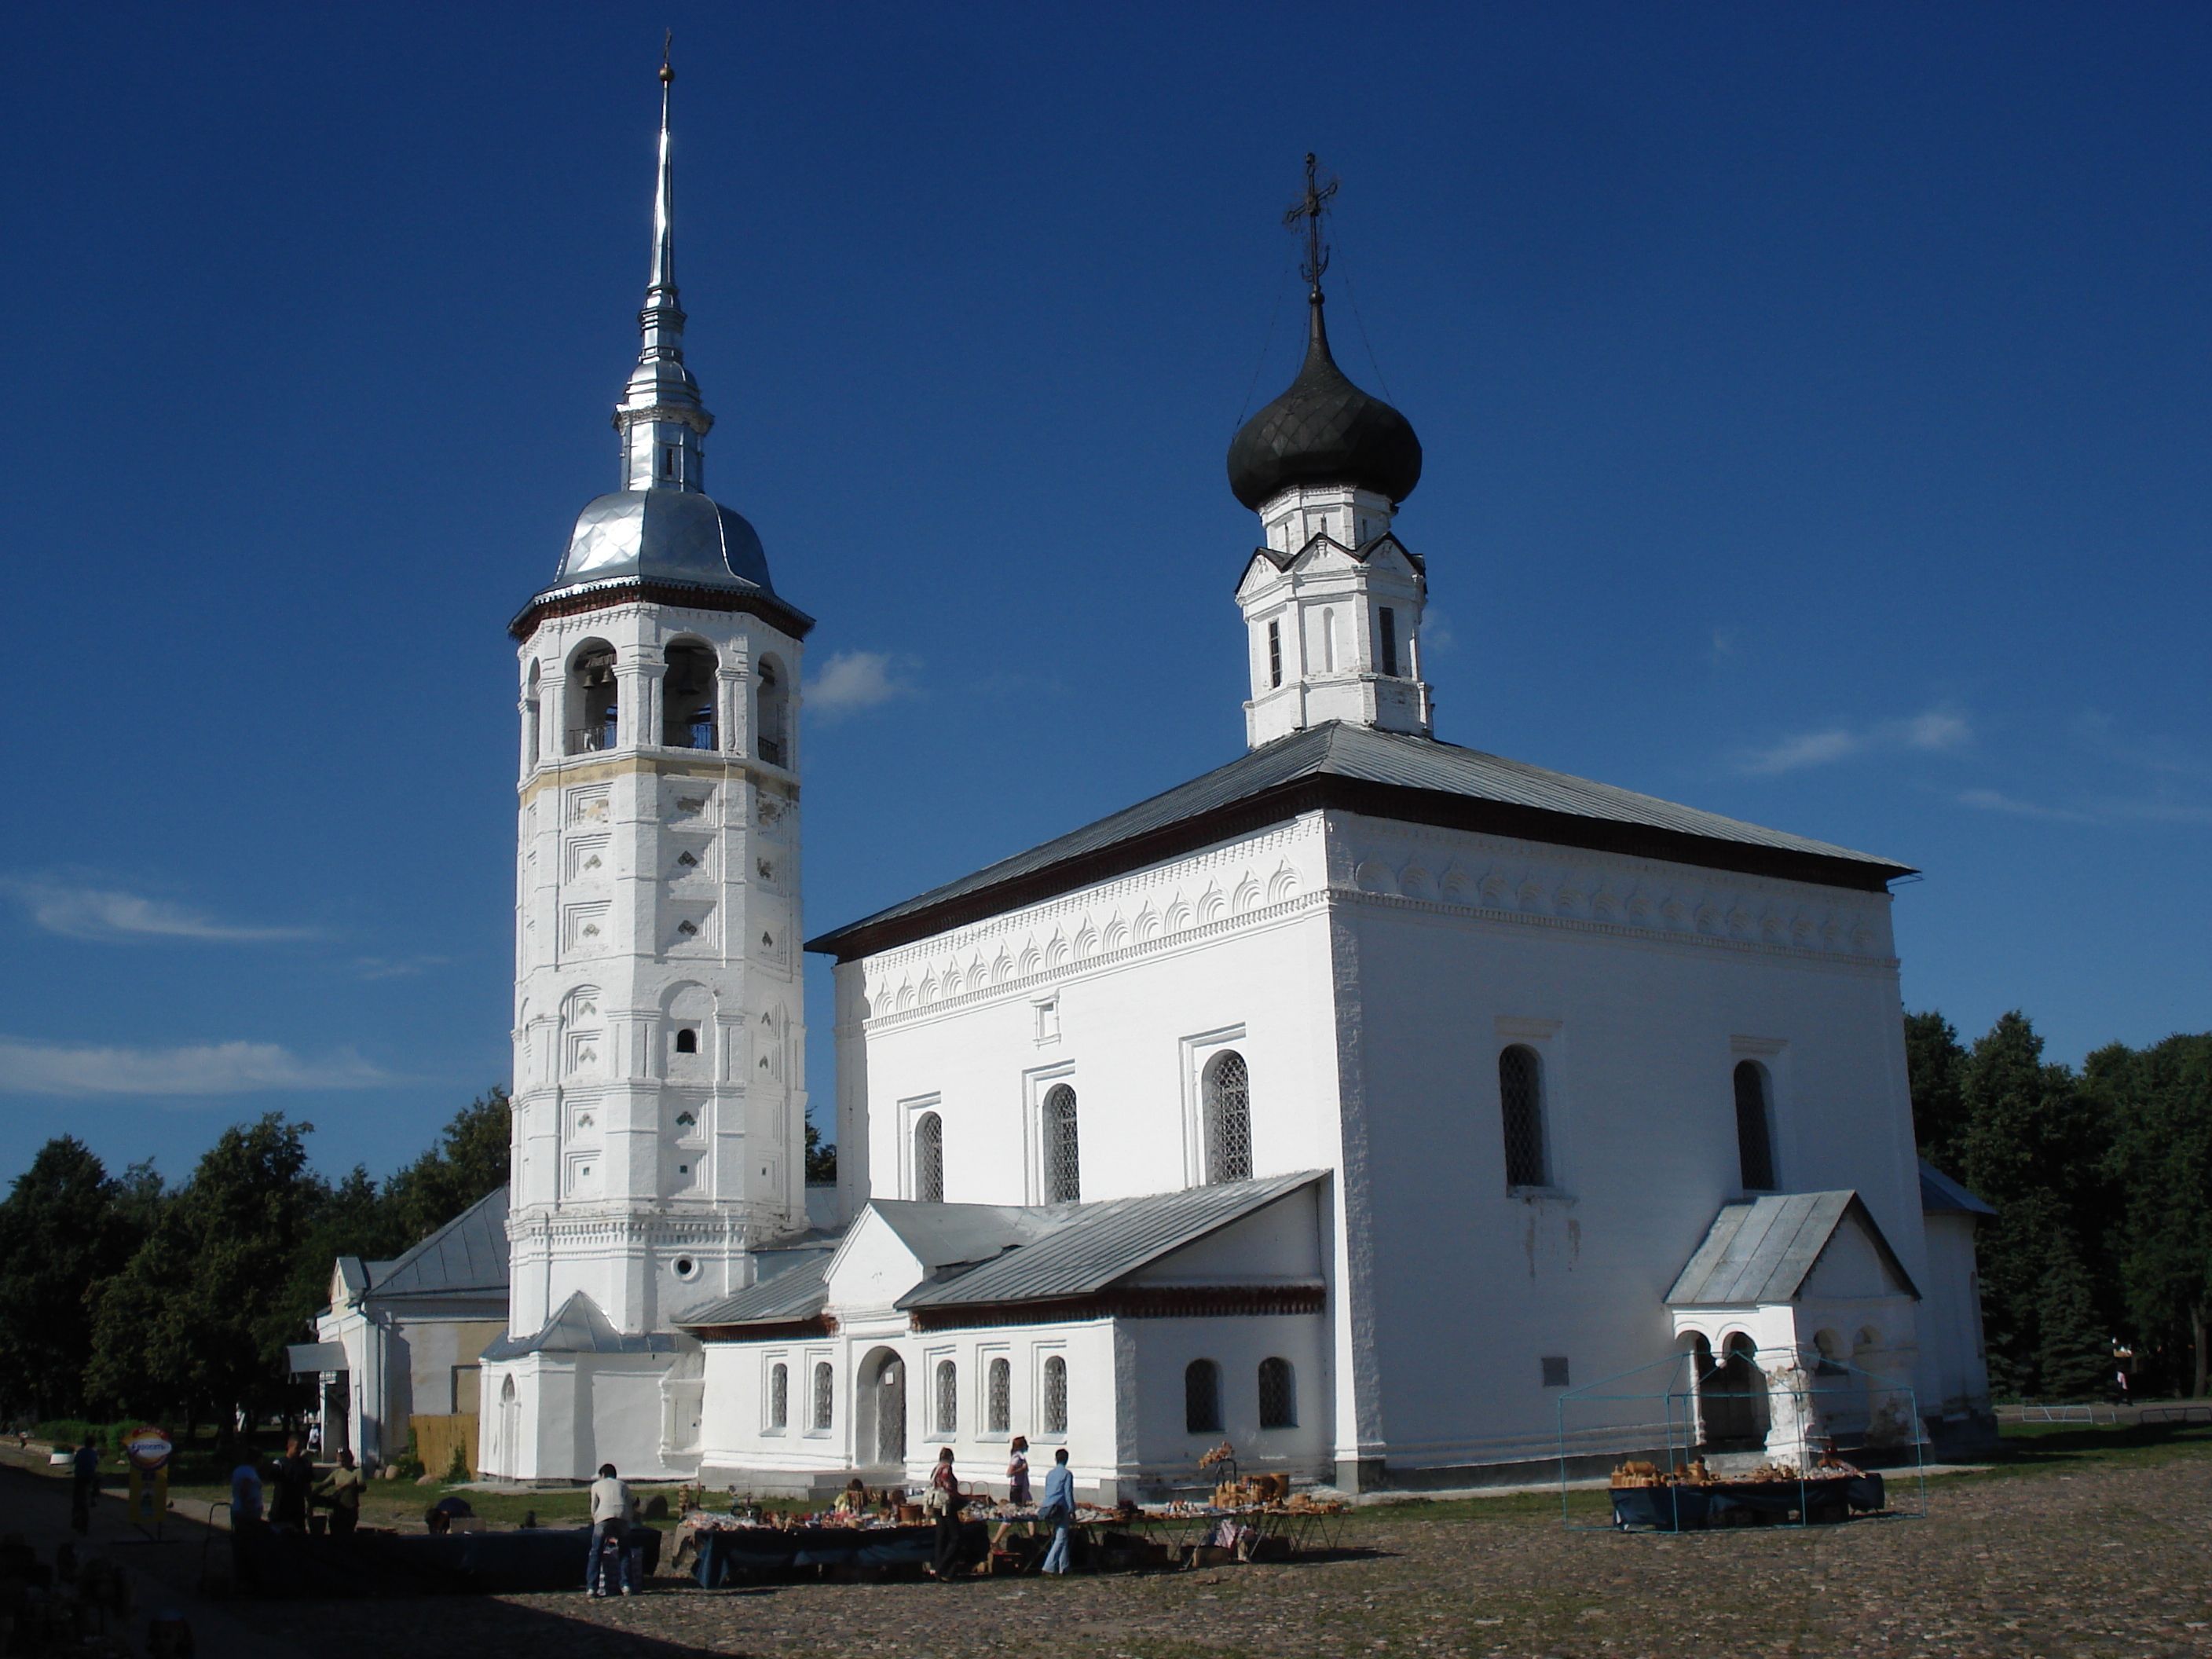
{"x": 659, "y": 1102}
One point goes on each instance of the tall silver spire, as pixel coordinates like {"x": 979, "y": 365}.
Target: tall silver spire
{"x": 660, "y": 417}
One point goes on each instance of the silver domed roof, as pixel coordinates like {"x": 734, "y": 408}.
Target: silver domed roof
{"x": 667, "y": 535}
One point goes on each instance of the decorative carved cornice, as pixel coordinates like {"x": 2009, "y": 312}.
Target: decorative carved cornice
{"x": 575, "y": 601}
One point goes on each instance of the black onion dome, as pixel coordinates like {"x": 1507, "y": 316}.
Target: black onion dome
{"x": 1324, "y": 430}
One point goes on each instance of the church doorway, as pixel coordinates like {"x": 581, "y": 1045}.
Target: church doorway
{"x": 1731, "y": 1396}
{"x": 882, "y": 1415}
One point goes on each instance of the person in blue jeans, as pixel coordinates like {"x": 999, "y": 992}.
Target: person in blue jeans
{"x": 1059, "y": 1509}
{"x": 610, "y": 1523}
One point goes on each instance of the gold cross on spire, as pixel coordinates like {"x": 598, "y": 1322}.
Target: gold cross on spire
{"x": 1309, "y": 207}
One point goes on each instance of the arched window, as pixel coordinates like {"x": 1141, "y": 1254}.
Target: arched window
{"x": 825, "y": 1393}
{"x": 1063, "y": 1177}
{"x": 1521, "y": 1102}
{"x": 687, "y": 1040}
{"x": 1228, "y": 1119}
{"x": 1279, "y": 1398}
{"x": 1755, "y": 1128}
{"x": 929, "y": 1158}
{"x": 594, "y": 721}
{"x": 687, "y": 698}
{"x": 948, "y": 1398}
{"x": 1055, "y": 1395}
{"x": 1001, "y": 1401}
{"x": 778, "y": 1396}
{"x": 1202, "y": 1397}
{"x": 532, "y": 753}
{"x": 771, "y": 703}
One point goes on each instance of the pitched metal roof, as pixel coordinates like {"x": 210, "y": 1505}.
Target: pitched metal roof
{"x": 799, "y": 1291}
{"x": 947, "y": 1235}
{"x": 579, "y": 1328}
{"x": 1093, "y": 1245}
{"x": 1385, "y": 774}
{"x": 1761, "y": 1251}
{"x": 1941, "y": 1196}
{"x": 467, "y": 1256}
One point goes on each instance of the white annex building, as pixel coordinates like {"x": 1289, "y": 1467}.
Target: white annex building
{"x": 1352, "y": 1102}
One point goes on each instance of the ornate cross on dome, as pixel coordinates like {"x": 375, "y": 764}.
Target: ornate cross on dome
{"x": 1309, "y": 207}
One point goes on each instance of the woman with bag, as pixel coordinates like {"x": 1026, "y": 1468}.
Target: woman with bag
{"x": 943, "y": 1501}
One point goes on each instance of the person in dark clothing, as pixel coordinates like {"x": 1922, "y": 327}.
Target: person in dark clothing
{"x": 84, "y": 1485}
{"x": 944, "y": 1502}
{"x": 295, "y": 1482}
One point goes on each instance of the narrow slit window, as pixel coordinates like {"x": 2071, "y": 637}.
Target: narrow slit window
{"x": 1055, "y": 1395}
{"x": 1002, "y": 1395}
{"x": 929, "y": 1158}
{"x": 778, "y": 1396}
{"x": 825, "y": 1393}
{"x": 948, "y": 1398}
{"x": 1755, "y": 1128}
{"x": 1228, "y": 1091}
{"x": 1386, "y": 620}
{"x": 1521, "y": 1102}
{"x": 1063, "y": 1172}
{"x": 1202, "y": 1397}
{"x": 1274, "y": 654}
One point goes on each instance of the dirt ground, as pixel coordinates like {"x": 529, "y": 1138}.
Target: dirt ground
{"x": 2107, "y": 1554}
{"x": 2080, "y": 1544}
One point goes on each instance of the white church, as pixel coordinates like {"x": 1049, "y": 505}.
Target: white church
{"x": 1352, "y": 1103}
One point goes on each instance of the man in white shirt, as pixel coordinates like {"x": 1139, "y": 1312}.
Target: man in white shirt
{"x": 610, "y": 1522}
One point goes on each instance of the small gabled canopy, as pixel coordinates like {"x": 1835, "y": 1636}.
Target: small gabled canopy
{"x": 579, "y": 1328}
{"x": 1761, "y": 1252}
{"x": 1095, "y": 1245}
{"x": 467, "y": 1256}
{"x": 1941, "y": 1196}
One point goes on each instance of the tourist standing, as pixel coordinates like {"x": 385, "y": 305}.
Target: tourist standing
{"x": 84, "y": 1485}
{"x": 1059, "y": 1509}
{"x": 341, "y": 1495}
{"x": 244, "y": 1516}
{"x": 295, "y": 1479}
{"x": 611, "y": 1522}
{"x": 945, "y": 1503}
{"x": 1017, "y": 1486}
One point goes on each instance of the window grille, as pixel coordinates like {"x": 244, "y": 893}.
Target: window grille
{"x": 778, "y": 1396}
{"x": 1063, "y": 1180}
{"x": 948, "y": 1398}
{"x": 929, "y": 1159}
{"x": 825, "y": 1393}
{"x": 1228, "y": 1119}
{"x": 1754, "y": 1139}
{"x": 1002, "y": 1391}
{"x": 1521, "y": 1099}
{"x": 1388, "y": 618}
{"x": 1279, "y": 1402}
{"x": 1274, "y": 654}
{"x": 1055, "y": 1395}
{"x": 1202, "y": 1397}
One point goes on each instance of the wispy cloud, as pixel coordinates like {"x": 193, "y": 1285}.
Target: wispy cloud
{"x": 395, "y": 967}
{"x": 1936, "y": 730}
{"x": 1992, "y": 800}
{"x": 30, "y": 1067}
{"x": 2107, "y": 811}
{"x": 77, "y": 909}
{"x": 852, "y": 680}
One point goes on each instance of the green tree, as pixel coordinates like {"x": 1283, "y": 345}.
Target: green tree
{"x": 821, "y": 1160}
{"x": 1935, "y": 1062}
{"x": 2161, "y": 1097}
{"x": 199, "y": 1315}
{"x": 2038, "y": 1146}
{"x": 65, "y": 1226}
{"x": 472, "y": 1157}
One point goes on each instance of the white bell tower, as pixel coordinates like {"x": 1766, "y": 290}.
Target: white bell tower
{"x": 1332, "y": 598}
{"x": 660, "y": 1098}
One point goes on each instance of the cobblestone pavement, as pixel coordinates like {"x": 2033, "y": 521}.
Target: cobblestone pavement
{"x": 2102, "y": 1559}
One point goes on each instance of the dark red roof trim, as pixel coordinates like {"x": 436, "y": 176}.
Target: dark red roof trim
{"x": 751, "y": 602}
{"x": 772, "y": 1331}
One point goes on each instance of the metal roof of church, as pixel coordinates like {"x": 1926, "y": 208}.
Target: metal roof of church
{"x": 1941, "y": 1196}
{"x": 798, "y": 1293}
{"x": 1761, "y": 1251}
{"x": 465, "y": 1256}
{"x": 1097, "y": 1244}
{"x": 1381, "y": 774}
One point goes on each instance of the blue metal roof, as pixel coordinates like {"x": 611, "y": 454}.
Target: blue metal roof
{"x": 1760, "y": 1252}
{"x": 1941, "y": 1196}
{"x": 467, "y": 1256}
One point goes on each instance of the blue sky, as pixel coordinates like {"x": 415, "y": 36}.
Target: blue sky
{"x": 1816, "y": 403}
